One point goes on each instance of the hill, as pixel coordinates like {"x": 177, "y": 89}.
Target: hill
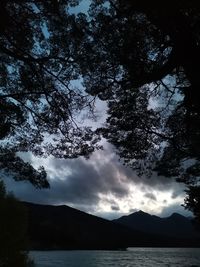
{"x": 174, "y": 226}
{"x": 63, "y": 227}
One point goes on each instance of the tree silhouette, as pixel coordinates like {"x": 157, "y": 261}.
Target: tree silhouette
{"x": 143, "y": 59}
{"x": 40, "y": 44}
{"x": 13, "y": 231}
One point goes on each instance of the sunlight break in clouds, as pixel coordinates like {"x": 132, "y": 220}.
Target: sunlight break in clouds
{"x": 101, "y": 186}
{"x": 136, "y": 200}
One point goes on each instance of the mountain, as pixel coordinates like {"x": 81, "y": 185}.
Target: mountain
{"x": 174, "y": 226}
{"x": 62, "y": 227}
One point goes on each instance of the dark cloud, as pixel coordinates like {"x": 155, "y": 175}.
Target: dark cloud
{"x": 156, "y": 182}
{"x": 82, "y": 183}
{"x": 76, "y": 182}
{"x": 174, "y": 195}
{"x": 150, "y": 196}
{"x": 115, "y": 208}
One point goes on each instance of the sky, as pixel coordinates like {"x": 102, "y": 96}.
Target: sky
{"x": 101, "y": 185}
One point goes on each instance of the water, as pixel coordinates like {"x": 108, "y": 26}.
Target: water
{"x": 140, "y": 257}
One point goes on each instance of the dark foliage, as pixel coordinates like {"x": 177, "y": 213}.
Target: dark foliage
{"x": 192, "y": 202}
{"x": 143, "y": 59}
{"x": 13, "y": 228}
{"x": 40, "y": 47}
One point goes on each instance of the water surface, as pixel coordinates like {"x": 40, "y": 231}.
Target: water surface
{"x": 144, "y": 257}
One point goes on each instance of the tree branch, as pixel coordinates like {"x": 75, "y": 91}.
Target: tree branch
{"x": 160, "y": 73}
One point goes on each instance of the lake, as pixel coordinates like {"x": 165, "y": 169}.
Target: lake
{"x": 144, "y": 257}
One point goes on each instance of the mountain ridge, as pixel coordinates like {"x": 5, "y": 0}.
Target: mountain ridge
{"x": 63, "y": 227}
{"x": 175, "y": 225}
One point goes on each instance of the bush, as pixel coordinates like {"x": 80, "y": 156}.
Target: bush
{"x": 13, "y": 228}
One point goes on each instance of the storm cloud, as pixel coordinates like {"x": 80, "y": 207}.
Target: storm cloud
{"x": 150, "y": 196}
{"x": 85, "y": 183}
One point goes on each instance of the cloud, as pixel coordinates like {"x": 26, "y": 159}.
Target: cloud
{"x": 178, "y": 192}
{"x": 84, "y": 184}
{"x": 115, "y": 208}
{"x": 150, "y": 196}
{"x": 133, "y": 210}
{"x": 175, "y": 208}
{"x": 76, "y": 182}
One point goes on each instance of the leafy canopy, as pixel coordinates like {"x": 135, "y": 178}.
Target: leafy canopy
{"x": 40, "y": 48}
{"x": 142, "y": 59}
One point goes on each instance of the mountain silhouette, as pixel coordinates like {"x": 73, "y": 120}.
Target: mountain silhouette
{"x": 62, "y": 227}
{"x": 176, "y": 225}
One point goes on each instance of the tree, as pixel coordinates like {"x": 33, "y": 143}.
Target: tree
{"x": 40, "y": 43}
{"x": 128, "y": 53}
{"x": 13, "y": 235}
{"x": 144, "y": 61}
